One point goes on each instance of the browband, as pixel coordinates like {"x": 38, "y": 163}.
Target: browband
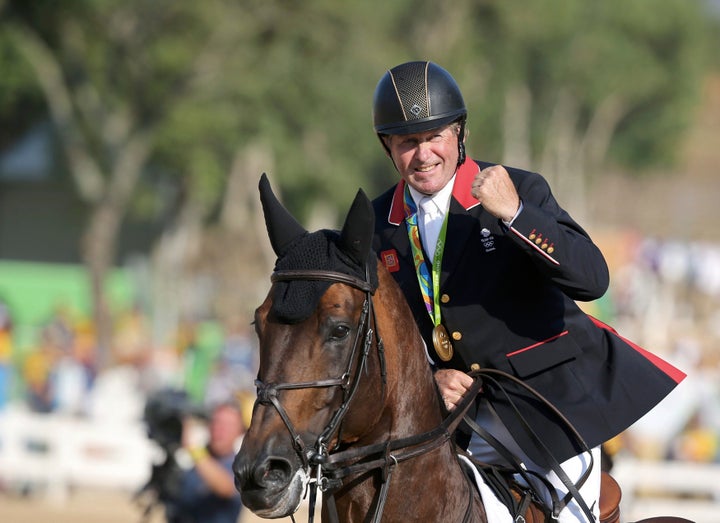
{"x": 335, "y": 277}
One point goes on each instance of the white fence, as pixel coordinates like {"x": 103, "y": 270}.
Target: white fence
{"x": 59, "y": 452}
{"x": 668, "y": 488}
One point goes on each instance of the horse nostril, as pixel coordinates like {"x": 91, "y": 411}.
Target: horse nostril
{"x": 274, "y": 471}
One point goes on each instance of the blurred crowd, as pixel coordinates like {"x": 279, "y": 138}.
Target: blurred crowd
{"x": 58, "y": 373}
{"x": 665, "y": 296}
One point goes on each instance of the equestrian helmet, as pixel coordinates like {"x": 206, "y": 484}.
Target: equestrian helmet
{"x": 416, "y": 97}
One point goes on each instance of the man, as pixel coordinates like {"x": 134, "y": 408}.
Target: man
{"x": 207, "y": 492}
{"x": 491, "y": 267}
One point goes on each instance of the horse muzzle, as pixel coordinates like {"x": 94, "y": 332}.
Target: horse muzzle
{"x": 270, "y": 485}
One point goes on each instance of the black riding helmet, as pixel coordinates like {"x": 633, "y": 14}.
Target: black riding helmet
{"x": 415, "y": 97}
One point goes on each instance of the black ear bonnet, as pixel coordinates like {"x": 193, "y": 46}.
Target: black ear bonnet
{"x": 347, "y": 251}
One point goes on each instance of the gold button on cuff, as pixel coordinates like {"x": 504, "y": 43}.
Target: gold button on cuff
{"x": 475, "y": 367}
{"x": 457, "y": 336}
{"x": 551, "y": 250}
{"x": 538, "y": 241}
{"x": 445, "y": 298}
{"x": 532, "y": 236}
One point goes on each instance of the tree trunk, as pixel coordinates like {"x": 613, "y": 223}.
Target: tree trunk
{"x": 98, "y": 252}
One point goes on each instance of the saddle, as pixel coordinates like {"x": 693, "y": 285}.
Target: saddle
{"x": 610, "y": 495}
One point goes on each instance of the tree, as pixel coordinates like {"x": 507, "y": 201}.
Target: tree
{"x": 111, "y": 73}
{"x": 596, "y": 85}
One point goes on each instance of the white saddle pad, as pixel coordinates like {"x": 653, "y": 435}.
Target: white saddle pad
{"x": 496, "y": 511}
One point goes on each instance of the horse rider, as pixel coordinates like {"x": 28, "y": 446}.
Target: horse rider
{"x": 491, "y": 266}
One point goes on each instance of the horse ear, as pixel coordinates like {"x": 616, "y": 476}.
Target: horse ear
{"x": 282, "y": 227}
{"x": 357, "y": 232}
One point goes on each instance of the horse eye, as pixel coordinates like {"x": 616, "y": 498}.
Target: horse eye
{"x": 339, "y": 332}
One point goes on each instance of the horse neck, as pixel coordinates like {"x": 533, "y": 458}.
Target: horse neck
{"x": 412, "y": 395}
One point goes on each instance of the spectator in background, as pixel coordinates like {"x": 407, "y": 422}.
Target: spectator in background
{"x": 221, "y": 385}
{"x": 207, "y": 491}
{"x": 36, "y": 371}
{"x": 5, "y": 352}
{"x": 235, "y": 368}
{"x": 132, "y": 336}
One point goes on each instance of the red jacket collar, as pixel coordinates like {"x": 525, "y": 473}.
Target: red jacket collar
{"x": 461, "y": 191}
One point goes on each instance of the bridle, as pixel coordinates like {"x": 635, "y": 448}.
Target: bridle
{"x": 330, "y": 469}
{"x": 267, "y": 393}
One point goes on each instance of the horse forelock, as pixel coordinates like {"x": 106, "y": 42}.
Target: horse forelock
{"x": 294, "y": 301}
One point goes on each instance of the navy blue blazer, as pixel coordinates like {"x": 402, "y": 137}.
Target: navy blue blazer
{"x": 507, "y": 298}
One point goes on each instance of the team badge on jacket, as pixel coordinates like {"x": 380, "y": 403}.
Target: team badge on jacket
{"x": 487, "y": 239}
{"x": 390, "y": 260}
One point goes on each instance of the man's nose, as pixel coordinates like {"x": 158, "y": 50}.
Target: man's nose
{"x": 423, "y": 151}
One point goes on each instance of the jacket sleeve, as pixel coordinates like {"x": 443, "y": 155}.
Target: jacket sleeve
{"x": 558, "y": 246}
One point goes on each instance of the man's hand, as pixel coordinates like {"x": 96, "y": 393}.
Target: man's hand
{"x": 194, "y": 433}
{"x": 452, "y": 385}
{"x": 496, "y": 192}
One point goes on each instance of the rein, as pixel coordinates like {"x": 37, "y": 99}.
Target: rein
{"x": 408, "y": 447}
{"x": 394, "y": 452}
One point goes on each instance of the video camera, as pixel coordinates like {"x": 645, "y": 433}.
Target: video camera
{"x": 164, "y": 413}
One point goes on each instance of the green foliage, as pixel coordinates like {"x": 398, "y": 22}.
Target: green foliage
{"x": 651, "y": 55}
{"x": 20, "y": 98}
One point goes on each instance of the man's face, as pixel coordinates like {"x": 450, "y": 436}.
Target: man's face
{"x": 427, "y": 160}
{"x": 226, "y": 426}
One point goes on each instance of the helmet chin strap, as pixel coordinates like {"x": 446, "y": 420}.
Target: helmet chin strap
{"x": 461, "y": 143}
{"x": 381, "y": 137}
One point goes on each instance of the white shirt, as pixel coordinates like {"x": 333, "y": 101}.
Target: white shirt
{"x": 431, "y": 214}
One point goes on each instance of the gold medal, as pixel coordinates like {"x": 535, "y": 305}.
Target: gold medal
{"x": 441, "y": 342}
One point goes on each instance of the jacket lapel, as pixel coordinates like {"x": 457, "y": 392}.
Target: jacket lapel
{"x": 398, "y": 238}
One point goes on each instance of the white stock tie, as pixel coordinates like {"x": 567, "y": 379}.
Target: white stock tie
{"x": 431, "y": 223}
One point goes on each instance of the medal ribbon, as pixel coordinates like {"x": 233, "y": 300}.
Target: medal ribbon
{"x": 429, "y": 282}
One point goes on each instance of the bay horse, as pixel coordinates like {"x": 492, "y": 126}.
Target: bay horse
{"x": 346, "y": 401}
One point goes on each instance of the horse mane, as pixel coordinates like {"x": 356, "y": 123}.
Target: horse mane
{"x": 414, "y": 389}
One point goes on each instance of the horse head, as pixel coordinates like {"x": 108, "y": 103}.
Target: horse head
{"x": 315, "y": 335}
